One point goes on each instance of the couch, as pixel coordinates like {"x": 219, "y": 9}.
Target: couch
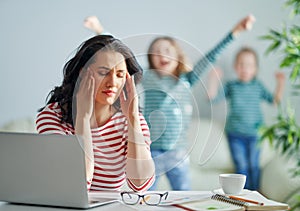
{"x": 206, "y": 165}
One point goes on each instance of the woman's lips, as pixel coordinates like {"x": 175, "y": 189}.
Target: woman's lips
{"x": 109, "y": 92}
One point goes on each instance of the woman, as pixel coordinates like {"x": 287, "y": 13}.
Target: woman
{"x": 92, "y": 104}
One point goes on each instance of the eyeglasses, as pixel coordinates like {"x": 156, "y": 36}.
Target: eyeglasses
{"x": 151, "y": 199}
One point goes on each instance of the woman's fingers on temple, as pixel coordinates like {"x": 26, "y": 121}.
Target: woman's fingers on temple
{"x": 122, "y": 97}
{"x": 130, "y": 86}
{"x": 128, "y": 81}
{"x": 85, "y": 75}
{"x": 127, "y": 75}
{"x": 91, "y": 83}
{"x": 132, "y": 81}
{"x": 87, "y": 80}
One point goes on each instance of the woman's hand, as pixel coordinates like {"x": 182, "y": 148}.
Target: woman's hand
{"x": 139, "y": 164}
{"x": 85, "y": 108}
{"x": 129, "y": 103}
{"x": 85, "y": 95}
{"x": 244, "y": 24}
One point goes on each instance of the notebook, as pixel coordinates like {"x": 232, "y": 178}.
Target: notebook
{"x": 44, "y": 170}
{"x": 221, "y": 202}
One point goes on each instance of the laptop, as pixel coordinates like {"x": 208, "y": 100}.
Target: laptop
{"x": 44, "y": 170}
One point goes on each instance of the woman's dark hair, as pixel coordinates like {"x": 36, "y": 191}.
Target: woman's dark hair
{"x": 64, "y": 95}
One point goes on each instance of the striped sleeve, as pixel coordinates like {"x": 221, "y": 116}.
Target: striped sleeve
{"x": 223, "y": 92}
{"x": 204, "y": 63}
{"x": 145, "y": 131}
{"x": 144, "y": 187}
{"x": 148, "y": 183}
{"x": 49, "y": 121}
{"x": 265, "y": 94}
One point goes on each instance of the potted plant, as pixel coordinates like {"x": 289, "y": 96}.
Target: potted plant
{"x": 284, "y": 134}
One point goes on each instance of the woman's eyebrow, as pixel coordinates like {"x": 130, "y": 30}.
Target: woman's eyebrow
{"x": 107, "y": 68}
{"x": 103, "y": 67}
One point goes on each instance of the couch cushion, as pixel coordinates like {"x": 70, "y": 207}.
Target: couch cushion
{"x": 25, "y": 125}
{"x": 277, "y": 182}
{"x": 210, "y": 133}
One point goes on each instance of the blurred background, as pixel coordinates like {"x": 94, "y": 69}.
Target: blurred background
{"x": 39, "y": 36}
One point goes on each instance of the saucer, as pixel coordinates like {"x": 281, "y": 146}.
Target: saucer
{"x": 243, "y": 192}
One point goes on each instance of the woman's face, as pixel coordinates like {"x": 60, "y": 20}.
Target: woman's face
{"x": 164, "y": 57}
{"x": 246, "y": 66}
{"x": 109, "y": 70}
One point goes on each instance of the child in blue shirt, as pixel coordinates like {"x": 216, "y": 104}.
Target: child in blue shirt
{"x": 244, "y": 118}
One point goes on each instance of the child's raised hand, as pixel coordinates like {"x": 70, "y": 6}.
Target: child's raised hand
{"x": 93, "y": 23}
{"x": 245, "y": 24}
{"x": 214, "y": 77}
{"x": 280, "y": 77}
{"x": 216, "y": 73}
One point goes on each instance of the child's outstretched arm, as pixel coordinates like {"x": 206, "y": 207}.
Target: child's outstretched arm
{"x": 203, "y": 64}
{"x": 214, "y": 77}
{"x": 280, "y": 78}
{"x": 243, "y": 25}
{"x": 93, "y": 23}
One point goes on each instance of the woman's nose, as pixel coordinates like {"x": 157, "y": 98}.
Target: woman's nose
{"x": 111, "y": 79}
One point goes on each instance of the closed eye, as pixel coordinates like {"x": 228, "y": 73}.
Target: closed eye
{"x": 121, "y": 73}
{"x": 103, "y": 72}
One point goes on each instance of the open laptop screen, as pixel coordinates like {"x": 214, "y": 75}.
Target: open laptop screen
{"x": 42, "y": 169}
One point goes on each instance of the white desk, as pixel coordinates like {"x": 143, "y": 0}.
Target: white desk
{"x": 110, "y": 207}
{"x": 119, "y": 206}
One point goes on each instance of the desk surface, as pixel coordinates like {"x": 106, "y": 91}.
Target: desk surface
{"x": 174, "y": 196}
{"x": 119, "y": 206}
{"x": 110, "y": 207}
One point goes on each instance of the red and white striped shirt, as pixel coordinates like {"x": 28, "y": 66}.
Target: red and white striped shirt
{"x": 109, "y": 145}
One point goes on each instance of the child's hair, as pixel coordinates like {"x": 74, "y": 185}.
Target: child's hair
{"x": 247, "y": 50}
{"x": 183, "y": 65}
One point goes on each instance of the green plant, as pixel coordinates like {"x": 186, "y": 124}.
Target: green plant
{"x": 284, "y": 134}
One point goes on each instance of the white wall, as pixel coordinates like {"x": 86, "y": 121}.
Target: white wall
{"x": 38, "y": 36}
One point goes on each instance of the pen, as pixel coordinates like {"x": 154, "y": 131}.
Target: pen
{"x": 246, "y": 200}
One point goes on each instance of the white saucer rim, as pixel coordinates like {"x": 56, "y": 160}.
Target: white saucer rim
{"x": 220, "y": 191}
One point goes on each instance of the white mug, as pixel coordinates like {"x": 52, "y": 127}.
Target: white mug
{"x": 232, "y": 183}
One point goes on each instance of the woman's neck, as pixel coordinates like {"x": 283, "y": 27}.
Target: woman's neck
{"x": 102, "y": 113}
